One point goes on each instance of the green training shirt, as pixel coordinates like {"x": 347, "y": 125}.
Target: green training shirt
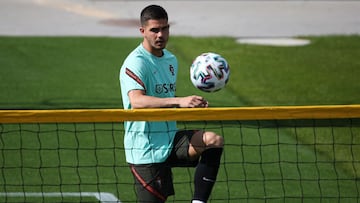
{"x": 148, "y": 142}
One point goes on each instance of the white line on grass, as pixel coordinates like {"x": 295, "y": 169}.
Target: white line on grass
{"x": 275, "y": 41}
{"x": 103, "y": 197}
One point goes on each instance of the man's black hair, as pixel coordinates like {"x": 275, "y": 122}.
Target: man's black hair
{"x": 152, "y": 12}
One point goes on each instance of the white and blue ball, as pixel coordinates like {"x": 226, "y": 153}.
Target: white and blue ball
{"x": 209, "y": 72}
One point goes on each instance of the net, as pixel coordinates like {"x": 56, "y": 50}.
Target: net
{"x": 272, "y": 154}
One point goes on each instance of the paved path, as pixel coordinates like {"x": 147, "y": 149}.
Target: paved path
{"x": 195, "y": 18}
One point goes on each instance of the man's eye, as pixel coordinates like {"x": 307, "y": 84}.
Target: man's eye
{"x": 155, "y": 30}
{"x": 162, "y": 29}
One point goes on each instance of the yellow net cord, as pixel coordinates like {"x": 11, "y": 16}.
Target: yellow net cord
{"x": 181, "y": 114}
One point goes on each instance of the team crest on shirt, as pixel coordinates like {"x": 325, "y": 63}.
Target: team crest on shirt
{"x": 171, "y": 68}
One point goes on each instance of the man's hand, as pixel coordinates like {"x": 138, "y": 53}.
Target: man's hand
{"x": 193, "y": 102}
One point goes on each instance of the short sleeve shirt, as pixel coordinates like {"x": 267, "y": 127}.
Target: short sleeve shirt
{"x": 148, "y": 142}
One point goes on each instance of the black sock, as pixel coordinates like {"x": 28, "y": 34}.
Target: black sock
{"x": 206, "y": 172}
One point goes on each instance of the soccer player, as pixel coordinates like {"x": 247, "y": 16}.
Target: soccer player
{"x": 148, "y": 80}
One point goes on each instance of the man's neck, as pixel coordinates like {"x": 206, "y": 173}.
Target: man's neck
{"x": 155, "y": 52}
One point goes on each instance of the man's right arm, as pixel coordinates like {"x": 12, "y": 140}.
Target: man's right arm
{"x": 138, "y": 99}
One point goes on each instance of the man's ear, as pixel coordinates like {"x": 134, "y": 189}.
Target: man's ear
{"x": 142, "y": 30}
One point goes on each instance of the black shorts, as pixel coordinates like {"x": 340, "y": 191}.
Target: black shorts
{"x": 153, "y": 182}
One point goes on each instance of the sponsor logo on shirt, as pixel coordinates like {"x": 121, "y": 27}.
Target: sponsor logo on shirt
{"x": 165, "y": 88}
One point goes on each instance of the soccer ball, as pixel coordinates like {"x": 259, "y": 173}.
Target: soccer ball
{"x": 209, "y": 72}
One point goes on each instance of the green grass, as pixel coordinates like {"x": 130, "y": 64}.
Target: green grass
{"x": 72, "y": 72}
{"x": 260, "y": 162}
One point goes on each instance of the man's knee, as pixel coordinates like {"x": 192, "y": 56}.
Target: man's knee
{"x": 213, "y": 140}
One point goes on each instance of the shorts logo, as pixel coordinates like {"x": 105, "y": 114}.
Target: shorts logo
{"x": 158, "y": 182}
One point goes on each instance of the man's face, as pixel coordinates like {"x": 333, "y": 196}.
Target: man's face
{"x": 156, "y": 35}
